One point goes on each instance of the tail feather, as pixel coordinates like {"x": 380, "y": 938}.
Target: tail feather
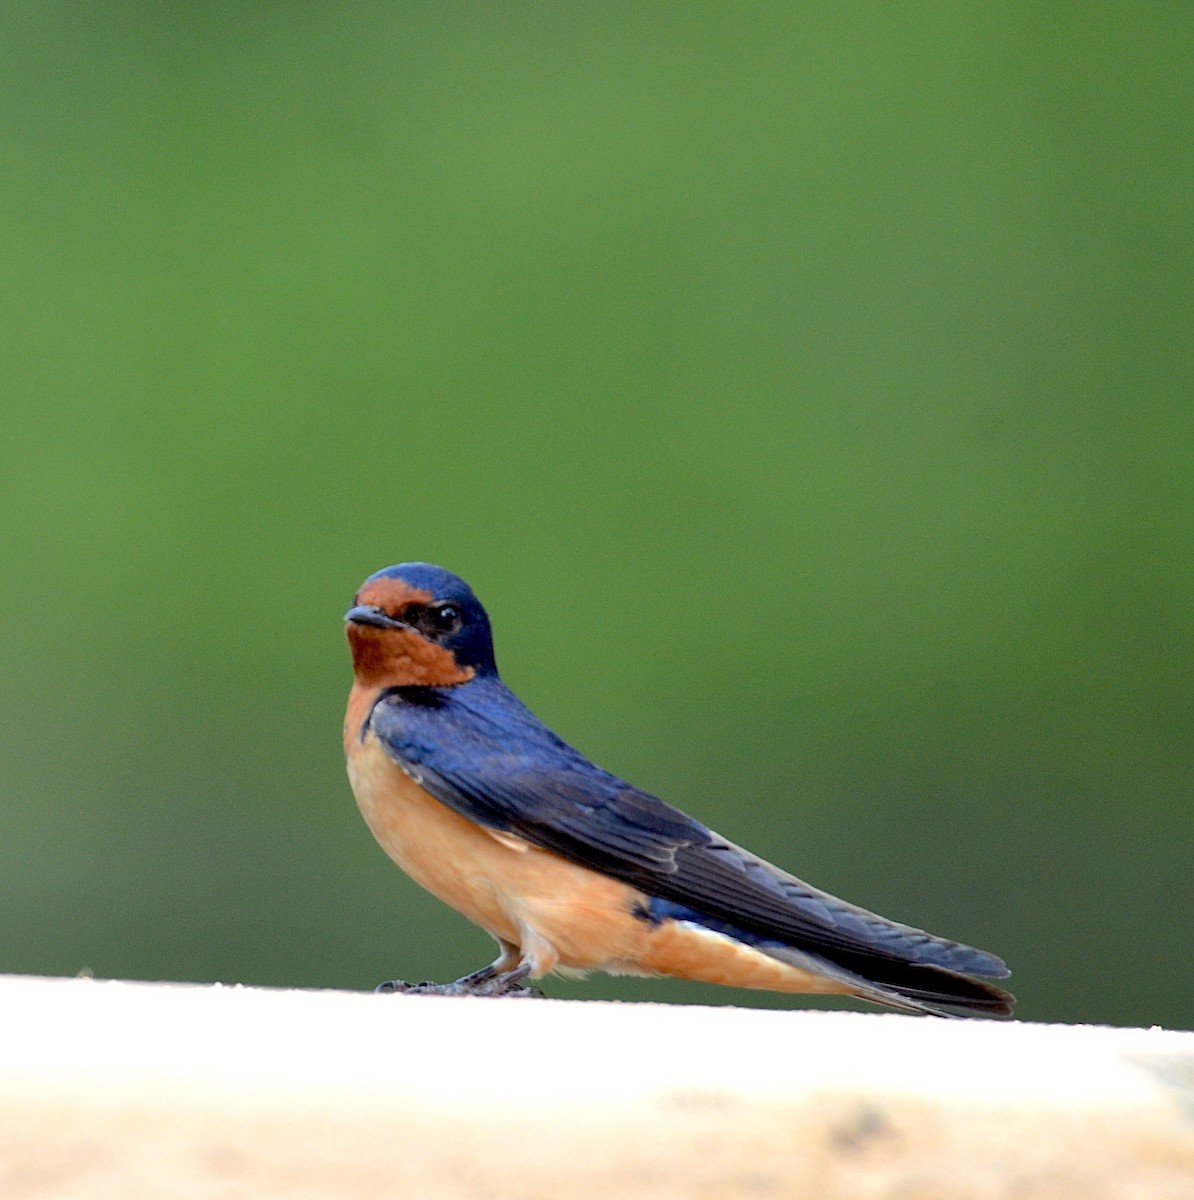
{"x": 909, "y": 987}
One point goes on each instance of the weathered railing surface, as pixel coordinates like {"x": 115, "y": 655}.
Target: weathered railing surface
{"x": 133, "y": 1090}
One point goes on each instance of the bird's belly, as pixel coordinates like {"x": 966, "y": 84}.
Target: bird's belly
{"x": 556, "y": 911}
{"x": 686, "y": 950}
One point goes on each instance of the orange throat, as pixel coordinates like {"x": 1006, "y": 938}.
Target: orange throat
{"x": 402, "y": 658}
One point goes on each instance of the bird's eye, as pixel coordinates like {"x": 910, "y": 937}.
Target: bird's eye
{"x": 445, "y": 618}
{"x": 434, "y": 620}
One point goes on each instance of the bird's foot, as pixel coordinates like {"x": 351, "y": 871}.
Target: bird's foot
{"x": 499, "y": 985}
{"x": 479, "y": 984}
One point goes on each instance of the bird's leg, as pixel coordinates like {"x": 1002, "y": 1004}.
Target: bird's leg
{"x": 502, "y": 977}
{"x": 467, "y": 983}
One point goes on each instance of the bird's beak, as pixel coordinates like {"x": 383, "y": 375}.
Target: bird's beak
{"x": 370, "y": 614}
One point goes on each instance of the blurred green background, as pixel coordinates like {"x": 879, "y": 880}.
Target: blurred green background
{"x": 806, "y": 391}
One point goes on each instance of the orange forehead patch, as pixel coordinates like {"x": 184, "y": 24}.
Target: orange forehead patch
{"x": 392, "y": 595}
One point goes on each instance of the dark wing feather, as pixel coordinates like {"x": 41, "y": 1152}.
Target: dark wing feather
{"x": 478, "y": 750}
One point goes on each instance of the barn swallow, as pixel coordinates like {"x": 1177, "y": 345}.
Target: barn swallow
{"x": 572, "y": 869}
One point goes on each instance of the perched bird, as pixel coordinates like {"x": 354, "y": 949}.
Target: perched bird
{"x": 572, "y": 869}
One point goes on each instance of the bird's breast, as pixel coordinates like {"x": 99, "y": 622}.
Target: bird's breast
{"x": 447, "y": 854}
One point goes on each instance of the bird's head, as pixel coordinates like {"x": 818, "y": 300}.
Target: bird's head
{"x": 416, "y": 625}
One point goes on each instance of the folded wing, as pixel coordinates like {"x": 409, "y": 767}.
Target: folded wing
{"x": 503, "y": 768}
